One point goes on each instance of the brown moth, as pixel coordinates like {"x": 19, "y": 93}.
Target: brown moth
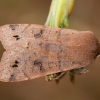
{"x": 34, "y": 51}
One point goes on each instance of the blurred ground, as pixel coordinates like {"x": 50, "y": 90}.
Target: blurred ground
{"x": 85, "y": 16}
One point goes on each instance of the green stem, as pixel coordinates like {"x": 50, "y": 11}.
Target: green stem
{"x": 58, "y": 17}
{"x": 59, "y": 13}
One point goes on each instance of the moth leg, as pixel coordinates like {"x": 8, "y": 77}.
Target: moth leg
{"x": 78, "y": 71}
{"x": 55, "y": 76}
{"x": 60, "y": 76}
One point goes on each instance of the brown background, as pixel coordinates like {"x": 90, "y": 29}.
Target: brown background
{"x": 85, "y": 16}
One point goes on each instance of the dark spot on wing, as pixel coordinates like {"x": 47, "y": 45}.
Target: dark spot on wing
{"x": 37, "y": 63}
{"x": 15, "y": 64}
{"x": 37, "y": 35}
{"x": 17, "y": 37}
{"x": 13, "y": 27}
{"x": 12, "y": 78}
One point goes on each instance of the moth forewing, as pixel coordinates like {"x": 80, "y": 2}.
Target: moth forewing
{"x": 34, "y": 51}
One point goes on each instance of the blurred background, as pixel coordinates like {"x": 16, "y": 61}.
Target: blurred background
{"x": 85, "y": 16}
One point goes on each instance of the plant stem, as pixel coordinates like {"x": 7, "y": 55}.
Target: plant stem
{"x": 59, "y": 13}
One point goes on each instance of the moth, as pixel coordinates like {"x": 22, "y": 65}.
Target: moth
{"x": 33, "y": 51}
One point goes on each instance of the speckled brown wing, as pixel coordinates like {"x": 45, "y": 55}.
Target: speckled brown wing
{"x": 10, "y": 34}
{"x": 47, "y": 51}
{"x": 15, "y": 33}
